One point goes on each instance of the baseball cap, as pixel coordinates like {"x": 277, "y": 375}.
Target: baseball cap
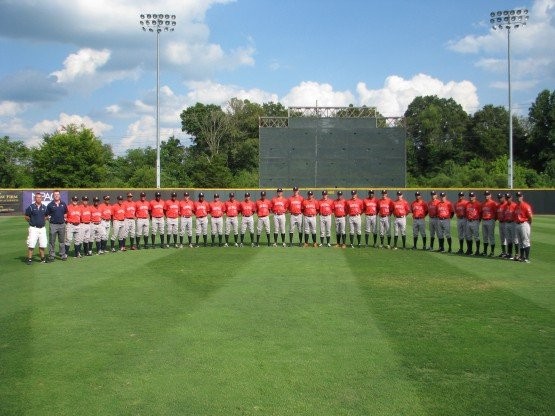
{"x": 174, "y": 194}
{"x": 74, "y": 198}
{"x": 461, "y": 193}
{"x": 129, "y": 195}
{"x": 232, "y": 194}
{"x": 519, "y": 194}
{"x": 371, "y": 192}
{"x": 399, "y": 193}
{"x": 499, "y": 195}
{"x": 353, "y": 192}
{"x": 263, "y": 193}
{"x": 433, "y": 193}
{"x": 201, "y": 195}
{"x": 310, "y": 193}
{"x": 143, "y": 194}
{"x": 185, "y": 193}
{"x": 295, "y": 188}
{"x": 96, "y": 199}
{"x": 84, "y": 198}
{"x": 216, "y": 195}
{"x": 157, "y": 194}
{"x": 339, "y": 192}
{"x": 508, "y": 195}
{"x": 417, "y": 193}
{"x": 247, "y": 194}
{"x": 384, "y": 192}
{"x": 442, "y": 194}
{"x": 324, "y": 192}
{"x": 486, "y": 193}
{"x": 471, "y": 194}
{"x": 106, "y": 197}
{"x": 120, "y": 197}
{"x": 279, "y": 190}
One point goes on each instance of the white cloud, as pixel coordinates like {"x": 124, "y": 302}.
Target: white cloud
{"x": 309, "y": 93}
{"x": 10, "y": 108}
{"x": 82, "y": 64}
{"x": 397, "y": 93}
{"x": 209, "y": 92}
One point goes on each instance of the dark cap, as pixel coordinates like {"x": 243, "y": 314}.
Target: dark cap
{"x": 461, "y": 193}
{"x": 185, "y": 193}
{"x": 471, "y": 194}
{"x": 279, "y": 190}
{"x": 295, "y": 188}
{"x": 324, "y": 192}
{"x": 508, "y": 195}
{"x": 157, "y": 194}
{"x": 201, "y": 195}
{"x": 417, "y": 193}
{"x": 96, "y": 199}
{"x": 499, "y": 195}
{"x": 384, "y": 192}
{"x": 120, "y": 197}
{"x": 442, "y": 194}
{"x": 232, "y": 194}
{"x": 486, "y": 193}
{"x": 84, "y": 198}
{"x": 399, "y": 193}
{"x": 247, "y": 194}
{"x": 353, "y": 192}
{"x": 433, "y": 193}
{"x": 216, "y": 195}
{"x": 310, "y": 193}
{"x": 129, "y": 195}
{"x": 339, "y": 192}
{"x": 518, "y": 194}
{"x": 74, "y": 198}
{"x": 174, "y": 194}
{"x": 143, "y": 194}
{"x": 371, "y": 192}
{"x": 106, "y": 197}
{"x": 263, "y": 193}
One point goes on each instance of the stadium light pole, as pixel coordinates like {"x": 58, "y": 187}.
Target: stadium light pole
{"x": 157, "y": 23}
{"x": 509, "y": 19}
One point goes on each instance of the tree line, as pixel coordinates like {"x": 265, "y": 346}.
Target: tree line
{"x": 446, "y": 147}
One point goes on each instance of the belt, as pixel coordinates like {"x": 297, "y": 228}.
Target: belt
{"x": 184, "y": 216}
{"x": 247, "y": 216}
{"x": 508, "y": 222}
{"x": 446, "y": 218}
{"x": 262, "y": 216}
{"x": 96, "y": 223}
{"x": 339, "y": 216}
{"x": 36, "y": 226}
{"x": 86, "y": 222}
{"x": 419, "y": 218}
{"x": 75, "y": 223}
{"x": 384, "y": 216}
{"x": 310, "y": 216}
{"x": 471, "y": 220}
{"x": 402, "y": 216}
{"x": 57, "y": 223}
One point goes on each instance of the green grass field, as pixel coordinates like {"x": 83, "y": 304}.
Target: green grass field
{"x": 277, "y": 331}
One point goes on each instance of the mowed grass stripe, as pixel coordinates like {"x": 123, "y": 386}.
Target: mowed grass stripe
{"x": 279, "y": 339}
{"x": 482, "y": 349}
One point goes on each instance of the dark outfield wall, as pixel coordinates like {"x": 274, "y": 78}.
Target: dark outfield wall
{"x": 14, "y": 202}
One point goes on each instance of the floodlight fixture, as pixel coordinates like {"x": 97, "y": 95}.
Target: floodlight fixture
{"x": 509, "y": 19}
{"x": 157, "y": 22}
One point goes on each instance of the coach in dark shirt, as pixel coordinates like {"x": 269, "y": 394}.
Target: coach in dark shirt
{"x": 56, "y": 212}
{"x": 35, "y": 215}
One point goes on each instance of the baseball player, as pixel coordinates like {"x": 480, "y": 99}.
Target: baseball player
{"x": 500, "y": 218}
{"x": 35, "y": 215}
{"x": 326, "y": 209}
{"x": 445, "y": 212}
{"x": 232, "y": 208}
{"x": 73, "y": 227}
{"x": 263, "y": 207}
{"x": 354, "y": 208}
{"x": 56, "y": 212}
{"x": 339, "y": 212}
{"x": 296, "y": 217}
{"x": 523, "y": 219}
{"x": 171, "y": 210}
{"x": 247, "y": 209}
{"x": 419, "y": 209}
{"x": 118, "y": 224}
{"x": 489, "y": 211}
{"x": 130, "y": 225}
{"x": 473, "y": 215}
{"x": 157, "y": 219}
{"x": 310, "y": 210}
{"x": 370, "y": 211}
{"x": 202, "y": 208}
{"x": 86, "y": 218}
{"x": 106, "y": 215}
{"x": 97, "y": 229}
{"x": 142, "y": 212}
{"x": 385, "y": 209}
{"x": 280, "y": 205}
{"x": 186, "y": 211}
{"x": 432, "y": 213}
{"x": 400, "y": 211}
{"x": 460, "y": 212}
{"x": 510, "y": 229}
{"x": 217, "y": 211}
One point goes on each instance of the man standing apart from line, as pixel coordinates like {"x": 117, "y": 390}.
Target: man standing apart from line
{"x": 157, "y": 225}
{"x": 247, "y": 209}
{"x": 130, "y": 225}
{"x": 523, "y": 219}
{"x": 354, "y": 209}
{"x": 217, "y": 211}
{"x": 56, "y": 212}
{"x": 499, "y": 215}
{"x": 171, "y": 210}
{"x": 186, "y": 211}
{"x": 419, "y": 209}
{"x": 73, "y": 227}
{"x": 35, "y": 215}
{"x": 279, "y": 208}
{"x": 202, "y": 208}
{"x": 385, "y": 209}
{"x": 118, "y": 224}
{"x": 310, "y": 210}
{"x": 296, "y": 216}
{"x": 142, "y": 208}
{"x": 460, "y": 212}
{"x": 326, "y": 209}
{"x": 339, "y": 211}
{"x": 445, "y": 212}
{"x": 370, "y": 212}
{"x": 401, "y": 209}
{"x": 263, "y": 207}
{"x": 432, "y": 214}
{"x": 106, "y": 215}
{"x": 473, "y": 215}
{"x": 489, "y": 211}
{"x": 232, "y": 208}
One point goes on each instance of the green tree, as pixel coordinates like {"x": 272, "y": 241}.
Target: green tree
{"x": 15, "y": 164}
{"x": 71, "y": 158}
{"x": 540, "y": 148}
{"x": 173, "y": 156}
{"x": 208, "y": 126}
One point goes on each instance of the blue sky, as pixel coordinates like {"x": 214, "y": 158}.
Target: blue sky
{"x": 89, "y": 62}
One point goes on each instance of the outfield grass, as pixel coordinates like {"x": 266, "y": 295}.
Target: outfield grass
{"x": 277, "y": 331}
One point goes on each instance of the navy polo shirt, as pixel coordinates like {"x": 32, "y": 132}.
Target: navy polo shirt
{"x": 56, "y": 212}
{"x": 36, "y": 215}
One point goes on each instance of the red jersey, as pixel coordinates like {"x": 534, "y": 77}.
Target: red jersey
{"x": 106, "y": 210}
{"x": 171, "y": 208}
{"x": 354, "y": 206}
{"x": 86, "y": 214}
{"x": 247, "y": 208}
{"x": 445, "y": 210}
{"x": 263, "y": 207}
{"x": 419, "y": 209}
{"x": 295, "y": 204}
{"x": 157, "y": 208}
{"x": 118, "y": 211}
{"x": 186, "y": 208}
{"x": 401, "y": 208}
{"x": 500, "y": 211}
{"x": 280, "y": 205}
{"x": 96, "y": 214}
{"x": 232, "y": 208}
{"x": 432, "y": 207}
{"x": 202, "y": 208}
{"x": 74, "y": 214}
{"x": 509, "y": 211}
{"x": 326, "y": 206}
{"x": 489, "y": 210}
{"x": 217, "y": 209}
{"x": 473, "y": 210}
{"x": 339, "y": 208}
{"x": 310, "y": 207}
{"x": 130, "y": 209}
{"x": 370, "y": 206}
{"x": 460, "y": 208}
{"x": 523, "y": 212}
{"x": 141, "y": 209}
{"x": 385, "y": 207}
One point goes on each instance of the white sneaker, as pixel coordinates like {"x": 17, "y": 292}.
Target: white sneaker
{"x": 226, "y": 245}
